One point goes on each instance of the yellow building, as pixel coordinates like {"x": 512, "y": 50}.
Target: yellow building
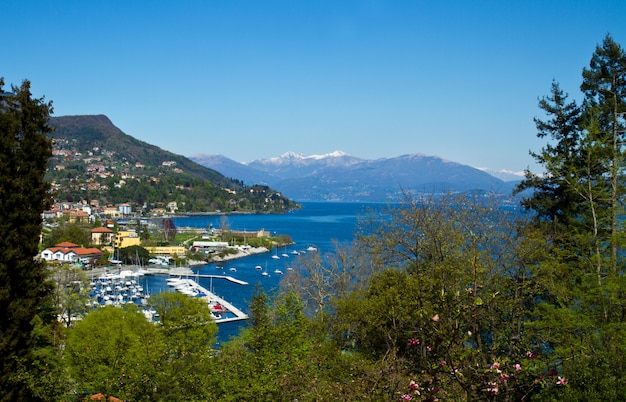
{"x": 126, "y": 238}
{"x": 166, "y": 250}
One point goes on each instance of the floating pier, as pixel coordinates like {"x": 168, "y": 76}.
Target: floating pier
{"x": 217, "y": 305}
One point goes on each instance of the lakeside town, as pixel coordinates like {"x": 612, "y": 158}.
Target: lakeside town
{"x": 116, "y": 227}
{"x": 121, "y": 247}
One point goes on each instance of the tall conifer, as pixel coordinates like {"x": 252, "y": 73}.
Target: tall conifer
{"x": 580, "y": 317}
{"x": 26, "y": 311}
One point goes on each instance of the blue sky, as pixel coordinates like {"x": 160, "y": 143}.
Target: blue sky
{"x": 254, "y": 79}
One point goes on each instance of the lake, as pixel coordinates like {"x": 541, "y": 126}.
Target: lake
{"x": 316, "y": 225}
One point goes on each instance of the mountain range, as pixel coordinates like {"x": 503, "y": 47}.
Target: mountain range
{"x": 93, "y": 158}
{"x": 95, "y": 162}
{"x": 340, "y": 177}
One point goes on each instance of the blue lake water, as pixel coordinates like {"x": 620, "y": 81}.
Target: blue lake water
{"x": 315, "y": 225}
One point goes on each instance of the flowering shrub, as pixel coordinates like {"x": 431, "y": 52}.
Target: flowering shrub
{"x": 502, "y": 379}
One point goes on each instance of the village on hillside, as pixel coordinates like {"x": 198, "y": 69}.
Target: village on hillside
{"x": 112, "y": 230}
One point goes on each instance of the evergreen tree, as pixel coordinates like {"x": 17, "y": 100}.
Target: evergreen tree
{"x": 26, "y": 307}
{"x": 552, "y": 197}
{"x": 579, "y": 317}
{"x": 604, "y": 86}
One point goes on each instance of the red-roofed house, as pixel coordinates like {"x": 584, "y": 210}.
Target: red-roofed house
{"x": 101, "y": 236}
{"x": 71, "y": 253}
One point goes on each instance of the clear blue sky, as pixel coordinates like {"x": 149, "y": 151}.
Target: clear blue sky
{"x": 255, "y": 79}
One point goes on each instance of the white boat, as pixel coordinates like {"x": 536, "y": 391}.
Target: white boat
{"x": 174, "y": 281}
{"x": 264, "y": 273}
{"x": 232, "y": 269}
{"x": 276, "y": 257}
{"x": 294, "y": 252}
{"x": 278, "y": 272}
{"x": 258, "y": 267}
{"x": 285, "y": 255}
{"x": 311, "y": 248}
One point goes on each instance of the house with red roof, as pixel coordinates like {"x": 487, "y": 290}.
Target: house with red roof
{"x": 101, "y": 236}
{"x": 67, "y": 252}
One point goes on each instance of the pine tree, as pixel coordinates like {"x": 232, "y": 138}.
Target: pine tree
{"x": 26, "y": 310}
{"x": 579, "y": 202}
{"x": 604, "y": 86}
{"x": 551, "y": 198}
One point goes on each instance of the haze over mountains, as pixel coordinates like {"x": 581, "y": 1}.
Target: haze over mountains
{"x": 335, "y": 176}
{"x": 338, "y": 176}
{"x": 94, "y": 161}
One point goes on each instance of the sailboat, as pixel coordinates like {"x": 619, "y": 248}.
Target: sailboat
{"x": 264, "y": 273}
{"x": 275, "y": 256}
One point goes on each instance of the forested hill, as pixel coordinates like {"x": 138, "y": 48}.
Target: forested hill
{"x": 94, "y": 159}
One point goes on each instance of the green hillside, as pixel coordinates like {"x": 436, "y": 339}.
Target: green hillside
{"x": 95, "y": 160}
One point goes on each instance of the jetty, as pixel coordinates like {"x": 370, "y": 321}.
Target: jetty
{"x": 222, "y": 310}
{"x": 186, "y": 272}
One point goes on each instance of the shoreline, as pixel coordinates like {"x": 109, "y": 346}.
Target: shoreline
{"x": 176, "y": 270}
{"x": 241, "y": 253}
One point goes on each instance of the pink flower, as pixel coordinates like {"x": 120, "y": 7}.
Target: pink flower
{"x": 562, "y": 381}
{"x": 429, "y": 349}
{"x": 413, "y": 342}
{"x": 435, "y": 318}
{"x": 505, "y": 377}
{"x": 414, "y": 386}
{"x": 518, "y": 367}
{"x": 492, "y": 388}
{"x": 406, "y": 397}
{"x": 442, "y": 363}
{"x": 495, "y": 367}
{"x": 531, "y": 355}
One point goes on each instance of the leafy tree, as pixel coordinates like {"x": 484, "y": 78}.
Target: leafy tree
{"x": 70, "y": 232}
{"x": 449, "y": 303}
{"x": 134, "y": 255}
{"x": 72, "y": 292}
{"x": 189, "y": 330}
{"x": 322, "y": 279}
{"x": 116, "y": 351}
{"x": 169, "y": 229}
{"x": 273, "y": 358}
{"x": 28, "y": 314}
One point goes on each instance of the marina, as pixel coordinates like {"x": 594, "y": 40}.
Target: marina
{"x": 315, "y": 228}
{"x": 221, "y": 310}
{"x": 125, "y": 287}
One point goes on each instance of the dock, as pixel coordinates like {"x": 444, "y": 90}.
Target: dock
{"x": 228, "y": 278}
{"x": 187, "y": 272}
{"x": 213, "y": 300}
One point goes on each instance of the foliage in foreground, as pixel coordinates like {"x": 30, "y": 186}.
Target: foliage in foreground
{"x": 454, "y": 299}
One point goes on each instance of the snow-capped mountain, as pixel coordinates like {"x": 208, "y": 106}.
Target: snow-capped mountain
{"x": 504, "y": 175}
{"x": 338, "y": 176}
{"x": 292, "y": 165}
